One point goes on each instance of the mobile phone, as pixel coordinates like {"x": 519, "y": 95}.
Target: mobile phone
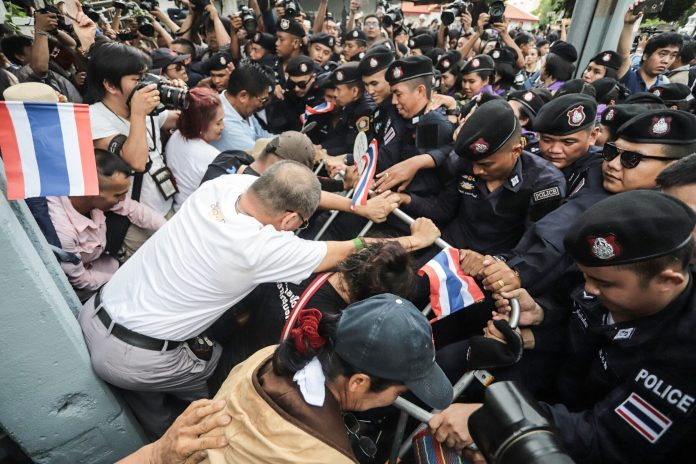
{"x": 650, "y": 7}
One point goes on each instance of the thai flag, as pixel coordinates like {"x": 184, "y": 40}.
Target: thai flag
{"x": 47, "y": 149}
{"x": 643, "y": 417}
{"x": 323, "y": 108}
{"x": 450, "y": 289}
{"x": 369, "y": 163}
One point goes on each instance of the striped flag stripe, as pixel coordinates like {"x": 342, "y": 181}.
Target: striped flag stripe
{"x": 10, "y": 155}
{"x": 84, "y": 141}
{"x": 29, "y": 164}
{"x": 53, "y": 170}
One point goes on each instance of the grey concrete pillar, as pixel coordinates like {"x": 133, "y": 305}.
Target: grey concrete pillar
{"x": 51, "y": 402}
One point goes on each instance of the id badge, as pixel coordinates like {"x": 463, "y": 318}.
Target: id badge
{"x": 165, "y": 182}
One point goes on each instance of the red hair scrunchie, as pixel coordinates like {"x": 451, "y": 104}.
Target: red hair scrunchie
{"x": 307, "y": 331}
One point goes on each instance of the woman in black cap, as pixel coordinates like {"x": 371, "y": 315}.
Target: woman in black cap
{"x": 477, "y": 75}
{"x": 449, "y": 65}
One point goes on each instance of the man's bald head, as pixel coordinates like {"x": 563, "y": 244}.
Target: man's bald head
{"x": 288, "y": 186}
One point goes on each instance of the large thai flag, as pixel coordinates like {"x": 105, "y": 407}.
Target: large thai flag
{"x": 47, "y": 149}
{"x": 368, "y": 164}
{"x": 323, "y": 108}
{"x": 450, "y": 289}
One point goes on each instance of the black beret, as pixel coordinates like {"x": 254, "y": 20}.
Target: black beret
{"x": 355, "y": 35}
{"x": 608, "y": 58}
{"x": 324, "y": 82}
{"x": 382, "y": 43}
{"x": 671, "y": 92}
{"x": 376, "y": 59}
{"x": 409, "y": 68}
{"x": 450, "y": 61}
{"x": 478, "y": 138}
{"x": 565, "y": 51}
{"x": 665, "y": 127}
{"x": 329, "y": 66}
{"x": 617, "y": 115}
{"x": 504, "y": 55}
{"x": 324, "y": 39}
{"x": 530, "y": 99}
{"x": 630, "y": 227}
{"x": 566, "y": 115}
{"x": 643, "y": 98}
{"x": 479, "y": 63}
{"x": 300, "y": 65}
{"x": 346, "y": 74}
{"x": 266, "y": 40}
{"x": 603, "y": 87}
{"x": 434, "y": 54}
{"x": 576, "y": 86}
{"x": 424, "y": 42}
{"x": 291, "y": 27}
{"x": 217, "y": 62}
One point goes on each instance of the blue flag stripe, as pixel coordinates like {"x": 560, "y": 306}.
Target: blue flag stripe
{"x": 49, "y": 148}
{"x": 454, "y": 285}
{"x": 636, "y": 411}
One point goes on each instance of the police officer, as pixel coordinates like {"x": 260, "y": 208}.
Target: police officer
{"x": 321, "y": 47}
{"x": 628, "y": 393}
{"x": 526, "y": 104}
{"x": 421, "y": 44}
{"x": 218, "y": 68}
{"x": 354, "y": 45}
{"x": 496, "y": 189}
{"x": 300, "y": 91}
{"x": 604, "y": 64}
{"x": 358, "y": 109}
{"x": 262, "y": 48}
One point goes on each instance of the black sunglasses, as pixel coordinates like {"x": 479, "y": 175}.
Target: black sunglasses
{"x": 302, "y": 84}
{"x": 629, "y": 159}
{"x": 362, "y": 442}
{"x": 305, "y": 222}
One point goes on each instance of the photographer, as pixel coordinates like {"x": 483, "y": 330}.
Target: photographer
{"x": 123, "y": 123}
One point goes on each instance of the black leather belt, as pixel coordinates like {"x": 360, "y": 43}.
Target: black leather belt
{"x": 128, "y": 336}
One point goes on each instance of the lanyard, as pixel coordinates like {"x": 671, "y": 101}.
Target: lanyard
{"x": 302, "y": 302}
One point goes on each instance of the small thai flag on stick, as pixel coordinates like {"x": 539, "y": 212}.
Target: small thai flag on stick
{"x": 47, "y": 150}
{"x": 450, "y": 289}
{"x": 323, "y": 108}
{"x": 367, "y": 165}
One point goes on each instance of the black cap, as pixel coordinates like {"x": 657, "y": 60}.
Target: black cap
{"x": 300, "y": 65}
{"x": 478, "y": 138}
{"x": 355, "y": 35}
{"x": 671, "y": 92}
{"x": 217, "y": 62}
{"x": 566, "y": 115}
{"x": 345, "y": 74}
{"x": 434, "y": 54}
{"x": 617, "y": 115}
{"x": 450, "y": 61}
{"x": 564, "y": 50}
{"x": 665, "y": 127}
{"x": 329, "y": 66}
{"x": 376, "y": 59}
{"x": 504, "y": 55}
{"x": 386, "y": 336}
{"x": 644, "y": 97}
{"x": 324, "y": 39}
{"x": 409, "y": 68}
{"x": 479, "y": 63}
{"x": 576, "y": 86}
{"x": 423, "y": 41}
{"x": 163, "y": 57}
{"x": 530, "y": 99}
{"x": 608, "y": 58}
{"x": 291, "y": 27}
{"x": 266, "y": 40}
{"x": 630, "y": 227}
{"x": 603, "y": 87}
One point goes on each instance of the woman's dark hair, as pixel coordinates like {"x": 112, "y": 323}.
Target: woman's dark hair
{"x": 250, "y": 76}
{"x": 287, "y": 360}
{"x": 384, "y": 267}
{"x": 109, "y": 164}
{"x": 110, "y": 62}
{"x": 204, "y": 102}
{"x": 558, "y": 68}
{"x": 506, "y": 75}
{"x": 484, "y": 75}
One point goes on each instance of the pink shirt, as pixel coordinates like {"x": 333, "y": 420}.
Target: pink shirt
{"x": 87, "y": 238}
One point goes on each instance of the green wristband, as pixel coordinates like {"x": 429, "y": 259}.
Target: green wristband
{"x": 359, "y": 245}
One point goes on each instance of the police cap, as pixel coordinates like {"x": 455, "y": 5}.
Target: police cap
{"x": 376, "y": 59}
{"x": 479, "y": 63}
{"x": 576, "y": 86}
{"x": 266, "y": 40}
{"x": 300, "y": 65}
{"x": 346, "y": 74}
{"x": 324, "y": 39}
{"x": 217, "y": 62}
{"x": 630, "y": 227}
{"x": 450, "y": 62}
{"x": 564, "y": 50}
{"x": 478, "y": 138}
{"x": 530, "y": 99}
{"x": 664, "y": 127}
{"x": 424, "y": 42}
{"x": 671, "y": 92}
{"x": 291, "y": 27}
{"x": 356, "y": 35}
{"x": 617, "y": 115}
{"x": 409, "y": 68}
{"x": 566, "y": 115}
{"x": 504, "y": 55}
{"x": 644, "y": 97}
{"x": 604, "y": 88}
{"x": 608, "y": 58}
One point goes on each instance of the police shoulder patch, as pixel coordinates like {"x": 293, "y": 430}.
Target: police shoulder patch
{"x": 546, "y": 194}
{"x": 363, "y": 124}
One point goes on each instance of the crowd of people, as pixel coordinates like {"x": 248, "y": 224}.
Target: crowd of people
{"x": 210, "y": 265}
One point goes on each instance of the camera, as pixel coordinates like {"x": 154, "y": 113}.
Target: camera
{"x": 393, "y": 16}
{"x": 149, "y": 5}
{"x": 171, "y": 98}
{"x": 383, "y": 4}
{"x": 292, "y": 8}
{"x": 248, "y": 17}
{"x": 454, "y": 10}
{"x": 125, "y": 36}
{"x": 50, "y": 9}
{"x": 145, "y": 27}
{"x": 123, "y": 6}
{"x": 509, "y": 429}
{"x": 496, "y": 12}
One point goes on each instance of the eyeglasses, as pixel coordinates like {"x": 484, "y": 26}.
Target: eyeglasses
{"x": 263, "y": 100}
{"x": 177, "y": 66}
{"x": 363, "y": 443}
{"x": 371, "y": 24}
{"x": 305, "y": 222}
{"x": 629, "y": 159}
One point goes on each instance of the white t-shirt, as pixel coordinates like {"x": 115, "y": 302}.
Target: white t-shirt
{"x": 107, "y": 124}
{"x": 203, "y": 261}
{"x": 188, "y": 160}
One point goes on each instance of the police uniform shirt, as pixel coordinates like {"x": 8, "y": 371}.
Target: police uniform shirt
{"x": 356, "y": 117}
{"x": 630, "y": 385}
{"x": 492, "y": 222}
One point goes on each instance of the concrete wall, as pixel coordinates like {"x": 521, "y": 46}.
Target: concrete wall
{"x": 51, "y": 403}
